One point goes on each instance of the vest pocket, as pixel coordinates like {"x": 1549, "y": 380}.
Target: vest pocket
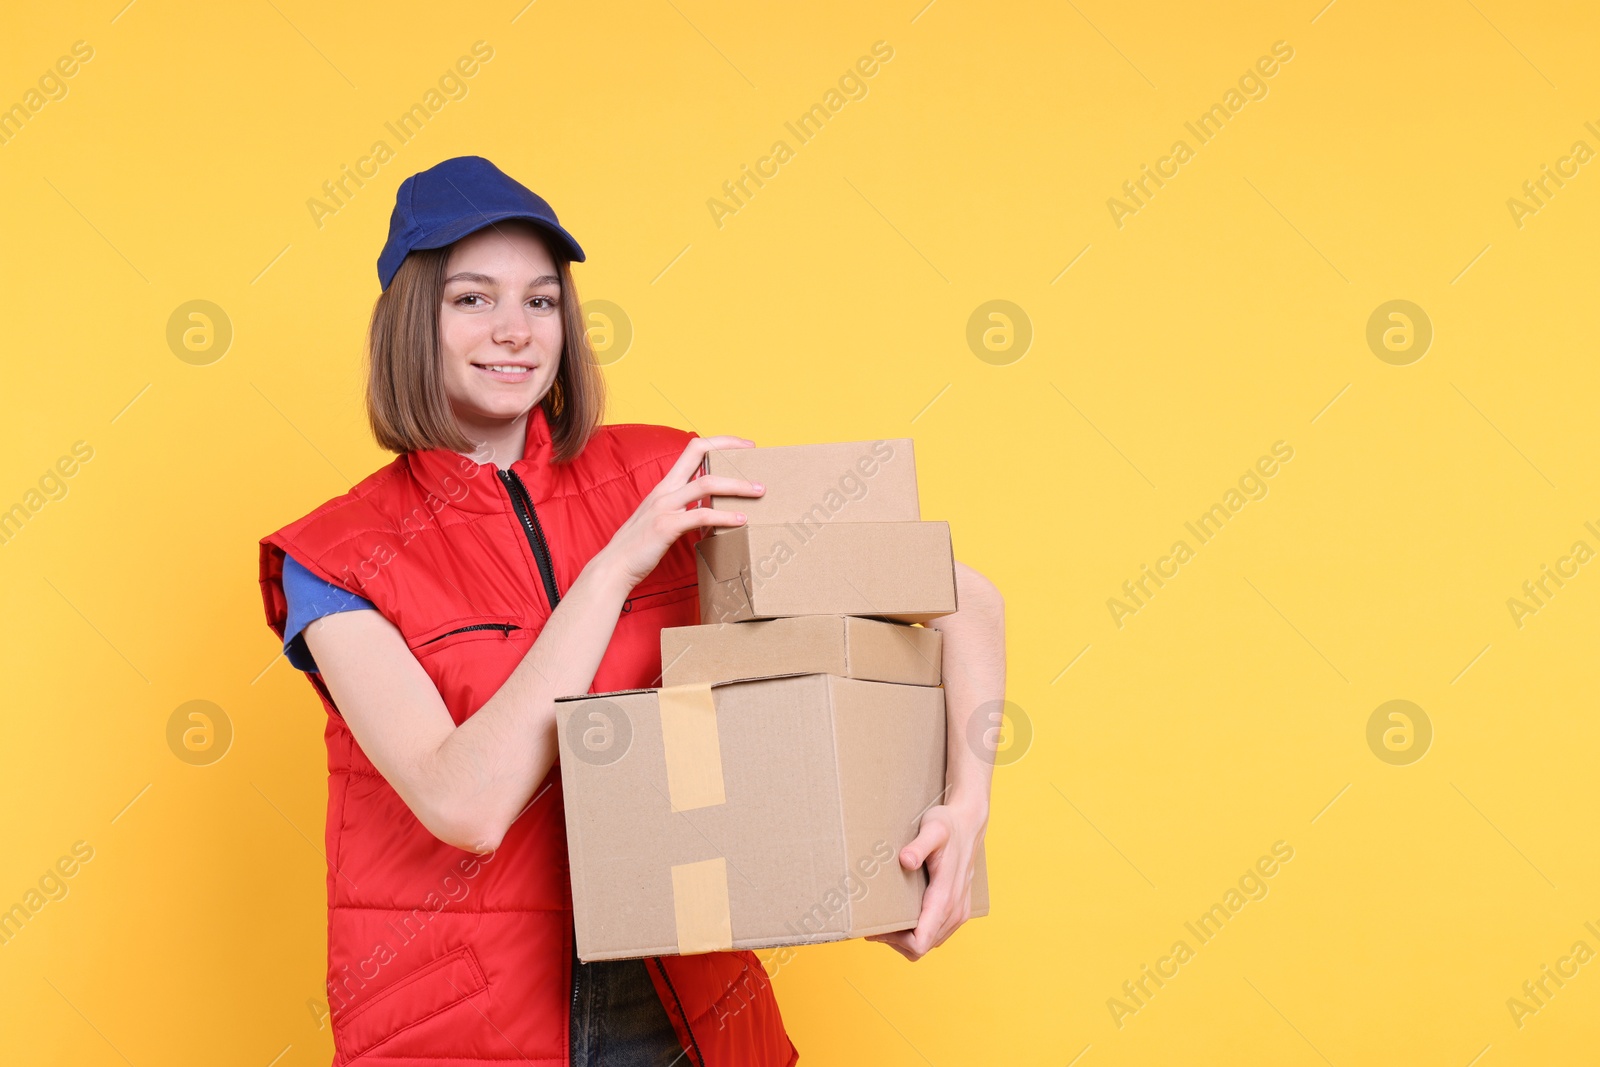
{"x": 429, "y": 990}
{"x": 480, "y": 629}
{"x": 633, "y": 658}
{"x": 654, "y": 598}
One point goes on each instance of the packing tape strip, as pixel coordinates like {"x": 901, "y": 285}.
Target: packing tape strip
{"x": 700, "y": 905}
{"x": 693, "y": 752}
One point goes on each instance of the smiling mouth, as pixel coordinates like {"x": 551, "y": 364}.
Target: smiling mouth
{"x": 506, "y": 372}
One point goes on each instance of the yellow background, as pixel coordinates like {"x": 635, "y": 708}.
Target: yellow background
{"x": 1224, "y": 316}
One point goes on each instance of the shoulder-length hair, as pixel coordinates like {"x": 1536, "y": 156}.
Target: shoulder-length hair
{"x": 406, "y": 402}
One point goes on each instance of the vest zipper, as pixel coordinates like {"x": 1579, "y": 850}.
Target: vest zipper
{"x": 693, "y": 1044}
{"x": 627, "y": 605}
{"x": 503, "y": 627}
{"x": 523, "y": 504}
{"x": 576, "y": 1020}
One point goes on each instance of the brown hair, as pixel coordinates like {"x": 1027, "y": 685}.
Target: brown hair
{"x": 406, "y": 402}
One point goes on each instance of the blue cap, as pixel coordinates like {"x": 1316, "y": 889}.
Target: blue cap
{"x": 449, "y": 200}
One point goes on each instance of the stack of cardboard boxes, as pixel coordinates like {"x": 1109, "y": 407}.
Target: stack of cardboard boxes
{"x": 763, "y": 792}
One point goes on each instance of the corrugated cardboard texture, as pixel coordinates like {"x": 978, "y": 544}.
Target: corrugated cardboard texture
{"x": 778, "y": 830}
{"x": 893, "y": 652}
{"x": 893, "y": 570}
{"x": 855, "y": 481}
{"x": 890, "y": 742}
{"x": 829, "y": 644}
{"x": 795, "y": 838}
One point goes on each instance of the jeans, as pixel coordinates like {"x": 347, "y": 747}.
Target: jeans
{"x": 617, "y": 1019}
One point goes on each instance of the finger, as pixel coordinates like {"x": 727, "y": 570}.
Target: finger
{"x": 734, "y": 462}
{"x": 681, "y": 522}
{"x": 933, "y": 835}
{"x": 935, "y": 908}
{"x": 946, "y": 897}
{"x": 892, "y": 937}
{"x": 898, "y": 940}
{"x": 687, "y": 463}
{"x": 957, "y": 909}
{"x": 709, "y": 485}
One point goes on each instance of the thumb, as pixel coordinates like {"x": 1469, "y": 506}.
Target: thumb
{"x": 933, "y": 834}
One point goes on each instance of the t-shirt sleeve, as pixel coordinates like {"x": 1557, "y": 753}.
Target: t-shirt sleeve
{"x": 309, "y": 598}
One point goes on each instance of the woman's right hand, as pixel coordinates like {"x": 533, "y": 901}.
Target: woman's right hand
{"x": 468, "y": 783}
{"x": 664, "y": 515}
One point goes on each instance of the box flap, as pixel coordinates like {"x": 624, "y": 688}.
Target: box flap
{"x": 847, "y": 645}
{"x": 612, "y": 693}
{"x": 893, "y": 652}
{"x": 893, "y": 570}
{"x": 657, "y": 689}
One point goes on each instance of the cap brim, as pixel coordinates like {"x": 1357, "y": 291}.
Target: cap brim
{"x": 459, "y": 228}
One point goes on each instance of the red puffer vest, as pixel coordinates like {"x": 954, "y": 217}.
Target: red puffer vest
{"x": 438, "y": 957}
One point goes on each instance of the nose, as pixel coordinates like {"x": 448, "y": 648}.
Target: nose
{"x": 511, "y": 326}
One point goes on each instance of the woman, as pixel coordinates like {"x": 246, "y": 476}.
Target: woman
{"x": 516, "y": 551}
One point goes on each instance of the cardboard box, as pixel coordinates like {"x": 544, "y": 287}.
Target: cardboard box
{"x": 891, "y": 570}
{"x": 746, "y": 814}
{"x": 845, "y": 645}
{"x": 855, "y": 481}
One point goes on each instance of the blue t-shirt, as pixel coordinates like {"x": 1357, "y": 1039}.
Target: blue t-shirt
{"x": 310, "y": 598}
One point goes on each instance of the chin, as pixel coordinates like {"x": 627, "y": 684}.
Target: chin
{"x": 492, "y": 408}
{"x": 506, "y": 408}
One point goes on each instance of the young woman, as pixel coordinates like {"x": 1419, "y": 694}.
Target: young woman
{"x": 515, "y": 551}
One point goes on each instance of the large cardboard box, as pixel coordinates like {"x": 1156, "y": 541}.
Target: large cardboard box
{"x": 855, "y": 481}
{"x": 892, "y": 570}
{"x": 845, "y": 645}
{"x": 746, "y": 814}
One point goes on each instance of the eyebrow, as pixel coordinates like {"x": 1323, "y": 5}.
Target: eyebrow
{"x": 485, "y": 279}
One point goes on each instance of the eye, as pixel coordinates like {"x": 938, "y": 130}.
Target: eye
{"x": 461, "y": 301}
{"x": 549, "y": 302}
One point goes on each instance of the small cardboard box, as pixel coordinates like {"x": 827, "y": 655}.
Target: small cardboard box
{"x": 845, "y": 645}
{"x": 891, "y": 570}
{"x": 855, "y": 481}
{"x": 746, "y": 814}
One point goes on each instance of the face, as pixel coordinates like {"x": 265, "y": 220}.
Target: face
{"x": 500, "y": 327}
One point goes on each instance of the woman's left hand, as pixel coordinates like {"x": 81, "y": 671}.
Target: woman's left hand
{"x": 947, "y": 841}
{"x": 948, "y": 838}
